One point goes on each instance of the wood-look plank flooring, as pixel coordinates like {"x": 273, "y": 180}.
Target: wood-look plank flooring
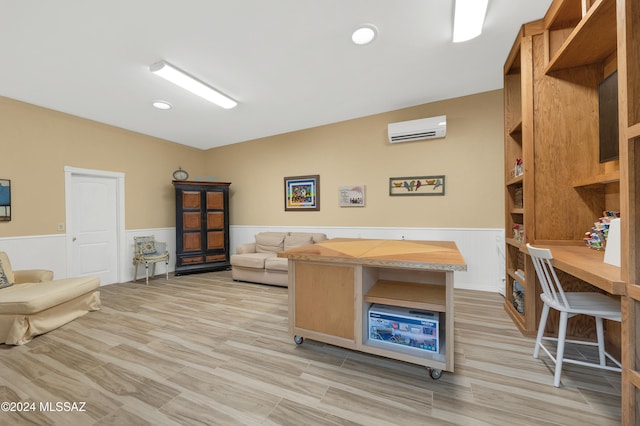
{"x": 205, "y": 350}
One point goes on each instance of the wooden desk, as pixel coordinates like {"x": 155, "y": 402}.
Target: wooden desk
{"x": 332, "y": 285}
{"x": 588, "y": 265}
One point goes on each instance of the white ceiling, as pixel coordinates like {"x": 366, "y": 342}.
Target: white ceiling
{"x": 290, "y": 64}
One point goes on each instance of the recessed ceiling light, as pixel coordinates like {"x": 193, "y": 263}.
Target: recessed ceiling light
{"x": 162, "y": 105}
{"x": 364, "y": 34}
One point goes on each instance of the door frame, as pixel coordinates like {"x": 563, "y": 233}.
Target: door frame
{"x": 69, "y": 174}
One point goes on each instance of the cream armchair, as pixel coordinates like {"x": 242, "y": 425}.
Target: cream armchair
{"x": 149, "y": 251}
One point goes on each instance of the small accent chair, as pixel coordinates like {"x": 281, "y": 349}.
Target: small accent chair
{"x": 148, "y": 250}
{"x": 570, "y": 304}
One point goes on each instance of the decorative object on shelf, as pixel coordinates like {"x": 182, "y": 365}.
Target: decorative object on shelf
{"x": 597, "y": 237}
{"x": 417, "y": 185}
{"x": 180, "y": 174}
{"x": 302, "y": 193}
{"x": 5, "y": 200}
{"x": 518, "y": 233}
{"x": 351, "y": 196}
{"x": 517, "y": 168}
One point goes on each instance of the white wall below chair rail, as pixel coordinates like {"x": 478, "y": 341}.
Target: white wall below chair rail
{"x": 49, "y": 252}
{"x": 481, "y": 249}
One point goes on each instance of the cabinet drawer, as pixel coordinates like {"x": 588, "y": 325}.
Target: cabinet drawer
{"x": 191, "y": 260}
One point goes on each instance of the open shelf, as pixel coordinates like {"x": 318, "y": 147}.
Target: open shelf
{"x": 591, "y": 41}
{"x": 597, "y": 180}
{"x": 430, "y": 297}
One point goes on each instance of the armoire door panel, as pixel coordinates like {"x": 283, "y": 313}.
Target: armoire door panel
{"x": 215, "y": 240}
{"x": 215, "y": 201}
{"x": 191, "y": 221}
{"x": 191, "y": 241}
{"x": 215, "y": 220}
{"x": 190, "y": 200}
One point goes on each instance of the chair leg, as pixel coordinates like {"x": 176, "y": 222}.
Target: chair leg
{"x": 600, "y": 336}
{"x": 146, "y": 271}
{"x": 135, "y": 273}
{"x": 562, "y": 334}
{"x": 541, "y": 327}
{"x": 166, "y": 268}
{"x": 153, "y": 270}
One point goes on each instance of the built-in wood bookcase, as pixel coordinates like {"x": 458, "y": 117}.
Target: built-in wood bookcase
{"x": 555, "y": 67}
{"x": 565, "y": 188}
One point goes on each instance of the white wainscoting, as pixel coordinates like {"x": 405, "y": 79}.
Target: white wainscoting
{"x": 482, "y": 249}
{"x": 49, "y": 252}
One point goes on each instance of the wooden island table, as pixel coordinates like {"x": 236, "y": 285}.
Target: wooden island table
{"x": 332, "y": 285}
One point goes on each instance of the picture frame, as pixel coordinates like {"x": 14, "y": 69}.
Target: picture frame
{"x": 417, "y": 185}
{"x": 5, "y": 200}
{"x": 302, "y": 193}
{"x": 351, "y": 196}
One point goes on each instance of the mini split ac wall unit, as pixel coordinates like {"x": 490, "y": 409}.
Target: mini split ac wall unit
{"x": 415, "y": 130}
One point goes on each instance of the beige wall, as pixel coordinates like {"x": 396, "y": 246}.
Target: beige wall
{"x": 357, "y": 152}
{"x": 36, "y": 143}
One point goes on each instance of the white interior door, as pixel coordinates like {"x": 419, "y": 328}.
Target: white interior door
{"x": 93, "y": 224}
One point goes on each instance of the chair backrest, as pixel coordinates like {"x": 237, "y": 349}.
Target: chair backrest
{"x": 145, "y": 245}
{"x": 549, "y": 282}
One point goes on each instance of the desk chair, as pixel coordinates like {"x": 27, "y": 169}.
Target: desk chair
{"x": 569, "y": 305}
{"x": 148, "y": 250}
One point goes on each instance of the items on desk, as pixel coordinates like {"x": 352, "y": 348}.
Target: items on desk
{"x": 597, "y": 237}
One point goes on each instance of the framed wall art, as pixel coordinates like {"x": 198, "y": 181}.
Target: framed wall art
{"x": 351, "y": 196}
{"x": 417, "y": 185}
{"x": 302, "y": 193}
{"x": 5, "y": 200}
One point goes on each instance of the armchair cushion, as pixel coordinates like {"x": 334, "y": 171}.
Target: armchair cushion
{"x": 33, "y": 276}
{"x": 6, "y": 273}
{"x": 146, "y": 247}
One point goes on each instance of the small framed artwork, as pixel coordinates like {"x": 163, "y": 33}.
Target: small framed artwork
{"x": 351, "y": 196}
{"x": 5, "y": 200}
{"x": 302, "y": 193}
{"x": 417, "y": 185}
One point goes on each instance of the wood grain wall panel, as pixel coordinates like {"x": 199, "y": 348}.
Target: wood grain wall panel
{"x": 565, "y": 147}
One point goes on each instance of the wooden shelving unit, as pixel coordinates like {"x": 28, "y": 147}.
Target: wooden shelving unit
{"x": 556, "y": 64}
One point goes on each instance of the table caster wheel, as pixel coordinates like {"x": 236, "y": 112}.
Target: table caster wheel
{"x": 434, "y": 373}
{"x": 298, "y": 339}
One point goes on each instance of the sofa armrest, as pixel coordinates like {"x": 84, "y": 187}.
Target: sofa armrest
{"x": 32, "y": 276}
{"x": 246, "y": 248}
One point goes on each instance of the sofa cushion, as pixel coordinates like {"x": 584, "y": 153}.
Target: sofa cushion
{"x": 277, "y": 264}
{"x": 270, "y": 242}
{"x": 317, "y": 236}
{"x": 6, "y": 273}
{"x": 293, "y": 241}
{"x": 31, "y": 298}
{"x": 251, "y": 260}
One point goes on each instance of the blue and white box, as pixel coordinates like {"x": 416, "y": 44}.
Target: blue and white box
{"x": 404, "y": 326}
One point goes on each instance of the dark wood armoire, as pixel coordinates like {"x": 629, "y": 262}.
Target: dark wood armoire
{"x": 202, "y": 226}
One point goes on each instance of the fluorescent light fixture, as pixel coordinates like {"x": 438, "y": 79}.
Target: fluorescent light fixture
{"x": 468, "y": 19}
{"x": 184, "y": 80}
{"x": 162, "y": 105}
{"x": 364, "y": 34}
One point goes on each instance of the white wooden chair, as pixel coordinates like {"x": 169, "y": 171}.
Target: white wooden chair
{"x": 570, "y": 304}
{"x": 148, "y": 250}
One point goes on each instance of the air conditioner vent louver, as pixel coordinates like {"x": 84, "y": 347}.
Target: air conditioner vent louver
{"x": 414, "y": 130}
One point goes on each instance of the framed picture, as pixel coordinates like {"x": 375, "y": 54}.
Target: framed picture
{"x": 302, "y": 193}
{"x": 5, "y": 200}
{"x": 416, "y": 185}
{"x": 351, "y": 196}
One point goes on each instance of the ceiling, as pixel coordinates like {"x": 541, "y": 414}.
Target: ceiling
{"x": 290, "y": 64}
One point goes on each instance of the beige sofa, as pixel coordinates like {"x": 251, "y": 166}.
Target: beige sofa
{"x": 33, "y": 303}
{"x": 258, "y": 262}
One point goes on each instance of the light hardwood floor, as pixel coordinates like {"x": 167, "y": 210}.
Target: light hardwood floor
{"x": 202, "y": 349}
